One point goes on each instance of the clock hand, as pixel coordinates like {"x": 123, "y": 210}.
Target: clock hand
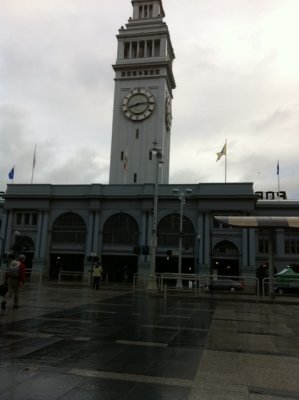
{"x": 138, "y": 104}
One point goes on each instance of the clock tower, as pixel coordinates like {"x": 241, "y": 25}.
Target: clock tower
{"x": 144, "y": 83}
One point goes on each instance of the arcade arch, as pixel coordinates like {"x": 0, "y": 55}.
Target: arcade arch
{"x": 225, "y": 259}
{"x": 168, "y": 234}
{"x": 120, "y": 235}
{"x": 67, "y": 244}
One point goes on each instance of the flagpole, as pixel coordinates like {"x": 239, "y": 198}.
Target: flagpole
{"x": 33, "y": 163}
{"x": 225, "y": 167}
{"x": 278, "y": 177}
{"x": 221, "y": 153}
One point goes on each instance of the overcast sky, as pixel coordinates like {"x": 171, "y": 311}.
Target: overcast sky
{"x": 237, "y": 75}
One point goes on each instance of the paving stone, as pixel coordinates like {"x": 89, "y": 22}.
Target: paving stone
{"x": 69, "y": 343}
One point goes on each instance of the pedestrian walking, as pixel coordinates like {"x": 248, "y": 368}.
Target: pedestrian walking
{"x": 96, "y": 276}
{"x": 15, "y": 275}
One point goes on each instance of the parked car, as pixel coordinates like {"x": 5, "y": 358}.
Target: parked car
{"x": 226, "y": 284}
{"x": 287, "y": 280}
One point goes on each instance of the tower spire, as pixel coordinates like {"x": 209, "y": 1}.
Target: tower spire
{"x": 147, "y": 9}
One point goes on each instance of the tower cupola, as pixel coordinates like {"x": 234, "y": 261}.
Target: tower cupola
{"x": 146, "y": 9}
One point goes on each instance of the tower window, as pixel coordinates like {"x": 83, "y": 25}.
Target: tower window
{"x": 150, "y": 155}
{"x": 123, "y": 74}
{"x": 150, "y": 11}
{"x": 134, "y": 49}
{"x": 127, "y": 50}
{"x": 137, "y": 133}
{"x": 135, "y": 177}
{"x": 141, "y": 49}
{"x": 157, "y": 72}
{"x": 149, "y": 48}
{"x": 122, "y": 156}
{"x": 145, "y": 11}
{"x": 157, "y": 48}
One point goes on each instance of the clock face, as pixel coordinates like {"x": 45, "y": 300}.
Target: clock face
{"x": 168, "y": 113}
{"x": 138, "y": 104}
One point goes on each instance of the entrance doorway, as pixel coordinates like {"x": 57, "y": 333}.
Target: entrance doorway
{"x": 120, "y": 268}
{"x": 65, "y": 262}
{"x": 170, "y": 264}
{"x": 226, "y": 267}
{"x": 225, "y": 259}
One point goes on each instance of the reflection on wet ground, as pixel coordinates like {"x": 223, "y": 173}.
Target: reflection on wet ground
{"x": 72, "y": 343}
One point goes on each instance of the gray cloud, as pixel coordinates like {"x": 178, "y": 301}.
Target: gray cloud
{"x": 277, "y": 118}
{"x": 236, "y": 73}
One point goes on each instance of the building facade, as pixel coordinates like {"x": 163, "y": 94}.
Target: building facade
{"x": 66, "y": 226}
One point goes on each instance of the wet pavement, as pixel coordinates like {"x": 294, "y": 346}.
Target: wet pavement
{"x": 72, "y": 343}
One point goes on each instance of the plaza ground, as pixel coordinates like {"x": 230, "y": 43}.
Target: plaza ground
{"x": 72, "y": 343}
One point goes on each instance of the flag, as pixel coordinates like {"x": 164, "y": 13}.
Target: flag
{"x": 221, "y": 153}
{"x": 11, "y": 173}
{"x": 33, "y": 163}
{"x": 126, "y": 161}
{"x": 277, "y": 168}
{"x": 34, "y": 158}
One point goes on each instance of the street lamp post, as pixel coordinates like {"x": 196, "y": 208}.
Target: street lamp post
{"x": 182, "y": 198}
{"x": 198, "y": 254}
{"x": 156, "y": 151}
{"x": 1, "y": 247}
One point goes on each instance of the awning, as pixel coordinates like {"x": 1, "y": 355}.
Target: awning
{"x": 259, "y": 222}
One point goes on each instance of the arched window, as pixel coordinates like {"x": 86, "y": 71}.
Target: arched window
{"x": 23, "y": 244}
{"x": 69, "y": 228}
{"x": 168, "y": 232}
{"x": 121, "y": 229}
{"x": 225, "y": 248}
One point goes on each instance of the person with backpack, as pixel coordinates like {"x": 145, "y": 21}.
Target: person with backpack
{"x": 15, "y": 275}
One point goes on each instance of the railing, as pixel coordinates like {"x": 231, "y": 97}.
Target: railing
{"x": 181, "y": 282}
{"x": 251, "y": 283}
{"x": 265, "y": 285}
{"x": 78, "y": 277}
{"x": 198, "y": 284}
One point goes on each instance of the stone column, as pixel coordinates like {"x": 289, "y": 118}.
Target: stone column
{"x": 41, "y": 254}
